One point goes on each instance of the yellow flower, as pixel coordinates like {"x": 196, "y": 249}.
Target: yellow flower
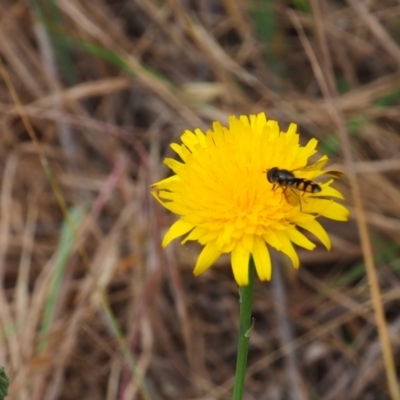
{"x": 225, "y": 202}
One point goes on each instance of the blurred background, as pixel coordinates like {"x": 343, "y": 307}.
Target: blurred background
{"x": 91, "y": 95}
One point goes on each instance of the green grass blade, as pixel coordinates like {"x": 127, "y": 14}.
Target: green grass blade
{"x": 61, "y": 259}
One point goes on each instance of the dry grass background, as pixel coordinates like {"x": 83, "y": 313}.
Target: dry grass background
{"x": 106, "y": 86}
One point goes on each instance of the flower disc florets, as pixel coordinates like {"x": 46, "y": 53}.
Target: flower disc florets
{"x": 225, "y": 202}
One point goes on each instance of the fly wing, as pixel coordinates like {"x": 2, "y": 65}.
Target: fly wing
{"x": 334, "y": 173}
{"x": 318, "y": 166}
{"x": 314, "y": 166}
{"x": 292, "y": 197}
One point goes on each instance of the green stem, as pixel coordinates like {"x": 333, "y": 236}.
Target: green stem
{"x": 246, "y": 301}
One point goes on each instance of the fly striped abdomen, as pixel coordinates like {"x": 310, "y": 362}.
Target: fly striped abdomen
{"x": 304, "y": 185}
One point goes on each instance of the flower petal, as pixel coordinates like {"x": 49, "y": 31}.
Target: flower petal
{"x": 326, "y": 208}
{"x": 240, "y": 264}
{"x": 189, "y": 139}
{"x": 257, "y": 122}
{"x": 298, "y": 238}
{"x": 217, "y": 135}
{"x": 207, "y": 258}
{"x": 262, "y": 260}
{"x": 176, "y": 166}
{"x": 272, "y": 239}
{"x": 329, "y": 191}
{"x": 288, "y": 249}
{"x": 248, "y": 242}
{"x": 177, "y": 229}
{"x": 196, "y": 234}
{"x": 169, "y": 183}
{"x": 201, "y": 137}
{"x": 318, "y": 231}
{"x": 182, "y": 151}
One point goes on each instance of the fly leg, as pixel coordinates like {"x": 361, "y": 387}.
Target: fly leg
{"x": 276, "y": 186}
{"x": 301, "y": 198}
{"x": 292, "y": 197}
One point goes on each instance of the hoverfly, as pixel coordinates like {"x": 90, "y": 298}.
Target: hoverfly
{"x": 291, "y": 184}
